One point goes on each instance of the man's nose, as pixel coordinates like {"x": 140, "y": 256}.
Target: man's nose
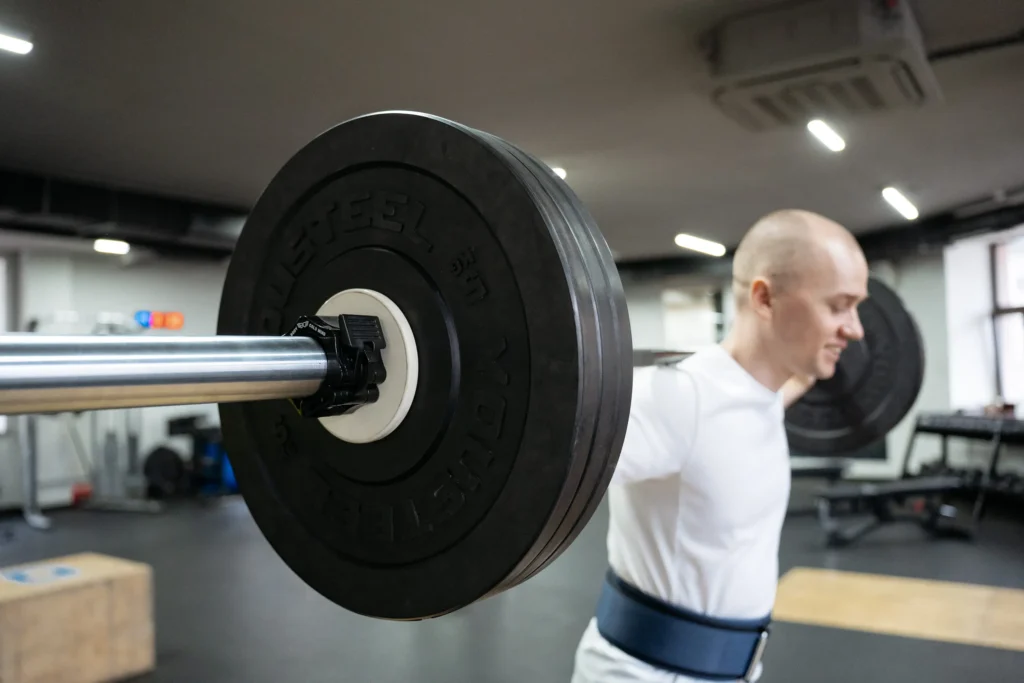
{"x": 853, "y": 330}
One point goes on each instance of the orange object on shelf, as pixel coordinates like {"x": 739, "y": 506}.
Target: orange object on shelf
{"x": 80, "y": 492}
{"x": 174, "y": 320}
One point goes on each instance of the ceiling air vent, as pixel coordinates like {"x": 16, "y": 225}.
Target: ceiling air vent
{"x": 785, "y": 65}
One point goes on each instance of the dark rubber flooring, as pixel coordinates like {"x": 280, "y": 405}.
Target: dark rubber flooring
{"x": 229, "y": 610}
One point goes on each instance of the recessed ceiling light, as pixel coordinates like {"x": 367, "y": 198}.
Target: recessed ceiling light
{"x": 15, "y": 45}
{"x": 826, "y": 135}
{"x": 700, "y": 244}
{"x": 560, "y": 172}
{"x": 104, "y": 246}
{"x": 900, "y": 203}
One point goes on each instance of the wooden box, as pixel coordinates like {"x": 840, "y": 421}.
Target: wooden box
{"x": 82, "y": 618}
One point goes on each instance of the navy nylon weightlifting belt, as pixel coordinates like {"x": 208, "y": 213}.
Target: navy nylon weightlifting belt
{"x": 677, "y": 640}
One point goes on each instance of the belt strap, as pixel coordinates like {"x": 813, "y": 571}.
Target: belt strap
{"x": 677, "y": 640}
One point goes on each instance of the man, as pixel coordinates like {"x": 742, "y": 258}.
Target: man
{"x": 702, "y": 485}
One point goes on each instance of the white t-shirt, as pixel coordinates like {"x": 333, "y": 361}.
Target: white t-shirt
{"x": 697, "y": 500}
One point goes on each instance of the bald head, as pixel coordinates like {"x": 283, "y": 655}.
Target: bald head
{"x": 798, "y": 279}
{"x": 786, "y": 248}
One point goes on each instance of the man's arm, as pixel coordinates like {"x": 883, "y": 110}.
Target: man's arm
{"x": 795, "y": 387}
{"x": 662, "y": 422}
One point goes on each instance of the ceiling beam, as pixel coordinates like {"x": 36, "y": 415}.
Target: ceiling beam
{"x": 47, "y": 205}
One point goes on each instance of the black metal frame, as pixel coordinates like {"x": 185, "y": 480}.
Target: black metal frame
{"x": 933, "y": 492}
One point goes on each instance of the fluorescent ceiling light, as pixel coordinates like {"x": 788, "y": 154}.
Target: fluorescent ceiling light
{"x": 560, "y": 172}
{"x": 15, "y": 45}
{"x": 699, "y": 244}
{"x": 900, "y": 203}
{"x": 826, "y": 135}
{"x": 111, "y": 246}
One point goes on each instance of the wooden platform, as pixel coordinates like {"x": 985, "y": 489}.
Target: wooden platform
{"x": 916, "y": 608}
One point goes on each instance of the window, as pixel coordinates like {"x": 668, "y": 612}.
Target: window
{"x": 1008, "y": 318}
{"x": 1008, "y": 258}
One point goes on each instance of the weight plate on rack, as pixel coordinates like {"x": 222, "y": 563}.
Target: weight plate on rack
{"x": 875, "y": 384}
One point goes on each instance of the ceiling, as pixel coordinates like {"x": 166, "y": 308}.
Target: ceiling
{"x": 206, "y": 100}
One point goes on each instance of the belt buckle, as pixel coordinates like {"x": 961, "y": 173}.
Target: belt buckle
{"x": 762, "y": 643}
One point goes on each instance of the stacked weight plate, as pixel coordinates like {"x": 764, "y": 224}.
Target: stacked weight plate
{"x": 606, "y": 353}
{"x": 525, "y": 365}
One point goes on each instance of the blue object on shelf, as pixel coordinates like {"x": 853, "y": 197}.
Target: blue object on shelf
{"x": 219, "y": 476}
{"x": 228, "y": 474}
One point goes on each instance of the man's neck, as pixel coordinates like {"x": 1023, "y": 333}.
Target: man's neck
{"x": 751, "y": 353}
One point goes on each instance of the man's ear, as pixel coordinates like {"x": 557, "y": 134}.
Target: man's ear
{"x": 761, "y": 297}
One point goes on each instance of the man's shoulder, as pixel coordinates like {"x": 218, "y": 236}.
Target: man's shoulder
{"x": 711, "y": 354}
{"x": 708, "y": 372}
{"x": 701, "y": 360}
{"x": 662, "y": 386}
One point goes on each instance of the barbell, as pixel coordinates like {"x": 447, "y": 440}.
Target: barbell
{"x": 423, "y": 365}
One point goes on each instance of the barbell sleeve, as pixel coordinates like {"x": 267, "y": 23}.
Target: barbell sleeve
{"x": 53, "y": 374}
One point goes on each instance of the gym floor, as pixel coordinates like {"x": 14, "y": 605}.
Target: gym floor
{"x": 227, "y": 609}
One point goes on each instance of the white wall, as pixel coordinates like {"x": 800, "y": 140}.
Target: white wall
{"x": 689, "y": 317}
{"x": 660, "y": 308}
{"x": 646, "y": 319}
{"x": 92, "y": 285}
{"x": 46, "y": 286}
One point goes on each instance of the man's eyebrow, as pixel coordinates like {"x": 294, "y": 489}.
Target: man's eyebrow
{"x": 850, "y": 296}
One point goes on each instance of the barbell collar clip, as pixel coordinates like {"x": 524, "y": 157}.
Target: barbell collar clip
{"x": 355, "y": 367}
